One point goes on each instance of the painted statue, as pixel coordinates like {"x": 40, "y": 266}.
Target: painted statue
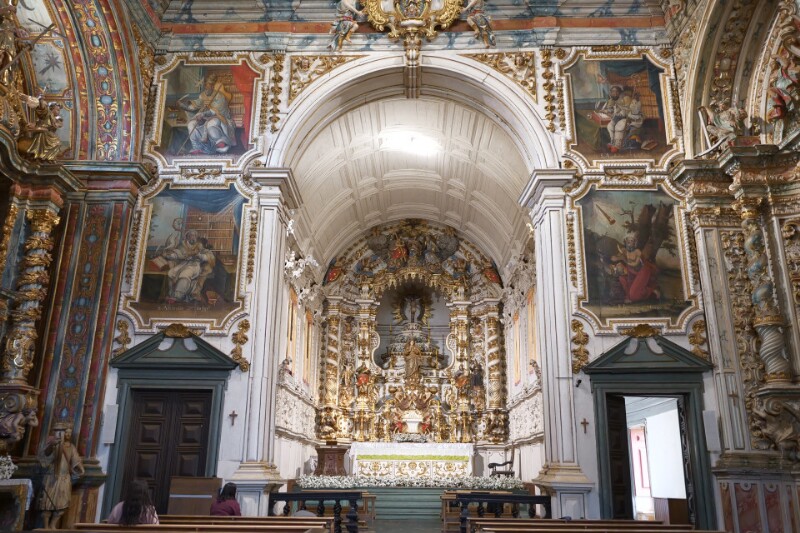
{"x": 10, "y": 38}
{"x": 725, "y": 124}
{"x": 63, "y": 462}
{"x": 41, "y": 140}
{"x": 211, "y": 127}
{"x": 479, "y": 22}
{"x": 413, "y": 357}
{"x": 345, "y": 24}
{"x": 784, "y": 92}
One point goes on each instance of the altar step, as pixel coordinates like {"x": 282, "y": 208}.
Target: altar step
{"x": 407, "y": 503}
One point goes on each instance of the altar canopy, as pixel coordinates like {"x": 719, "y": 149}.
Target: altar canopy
{"x": 415, "y": 460}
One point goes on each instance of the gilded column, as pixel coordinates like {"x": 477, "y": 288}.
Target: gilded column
{"x": 330, "y": 373}
{"x": 31, "y": 288}
{"x": 769, "y": 322}
{"x": 497, "y": 419}
{"x": 461, "y": 379}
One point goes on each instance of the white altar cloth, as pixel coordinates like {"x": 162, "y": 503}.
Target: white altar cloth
{"x": 405, "y": 459}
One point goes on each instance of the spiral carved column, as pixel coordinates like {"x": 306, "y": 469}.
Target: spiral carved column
{"x": 769, "y": 322}
{"x": 330, "y": 376}
{"x": 31, "y": 287}
{"x": 497, "y": 418}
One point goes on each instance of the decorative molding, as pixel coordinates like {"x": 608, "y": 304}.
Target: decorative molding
{"x": 252, "y": 238}
{"x": 548, "y": 85}
{"x": 239, "y": 339}
{"x": 276, "y": 89}
{"x": 525, "y": 420}
{"x": 304, "y": 70}
{"x": 200, "y": 173}
{"x": 572, "y": 252}
{"x": 8, "y": 229}
{"x": 517, "y": 66}
{"x": 580, "y": 355}
{"x": 612, "y": 48}
{"x": 790, "y": 230}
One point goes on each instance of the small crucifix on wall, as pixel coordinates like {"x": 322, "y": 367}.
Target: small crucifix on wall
{"x": 233, "y": 416}
{"x": 584, "y": 423}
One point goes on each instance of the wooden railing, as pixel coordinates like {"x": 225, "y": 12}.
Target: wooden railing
{"x": 320, "y": 498}
{"x": 498, "y": 501}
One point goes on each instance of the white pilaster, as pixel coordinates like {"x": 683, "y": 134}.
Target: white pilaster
{"x": 257, "y": 474}
{"x": 561, "y": 473}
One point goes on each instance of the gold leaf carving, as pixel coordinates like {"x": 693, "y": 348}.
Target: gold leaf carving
{"x": 303, "y": 70}
{"x": 239, "y": 339}
{"x": 640, "y": 331}
{"x": 580, "y": 355}
{"x": 519, "y": 66}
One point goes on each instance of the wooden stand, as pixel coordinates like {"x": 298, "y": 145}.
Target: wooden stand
{"x": 330, "y": 460}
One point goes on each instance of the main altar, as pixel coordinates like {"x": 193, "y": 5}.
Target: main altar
{"x": 414, "y": 355}
{"x": 412, "y": 460}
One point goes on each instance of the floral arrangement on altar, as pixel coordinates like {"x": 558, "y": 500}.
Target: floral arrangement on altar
{"x": 7, "y": 467}
{"x": 351, "y": 482}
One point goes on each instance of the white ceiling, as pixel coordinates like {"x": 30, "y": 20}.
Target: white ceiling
{"x": 350, "y": 180}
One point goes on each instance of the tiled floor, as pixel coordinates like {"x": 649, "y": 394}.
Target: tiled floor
{"x": 407, "y": 526}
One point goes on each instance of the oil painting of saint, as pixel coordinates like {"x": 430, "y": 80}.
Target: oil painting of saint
{"x": 191, "y": 259}
{"x": 618, "y": 109}
{"x": 207, "y": 111}
{"x": 631, "y": 254}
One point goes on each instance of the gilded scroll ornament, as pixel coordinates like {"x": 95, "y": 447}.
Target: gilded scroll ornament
{"x": 8, "y": 228}
{"x": 123, "y": 339}
{"x": 791, "y": 246}
{"x": 178, "y": 331}
{"x": 698, "y": 338}
{"x": 303, "y": 70}
{"x": 779, "y": 422}
{"x": 130, "y": 259}
{"x": 640, "y": 331}
{"x": 518, "y": 66}
{"x": 239, "y": 339}
{"x": 740, "y": 289}
{"x": 252, "y": 238}
{"x": 31, "y": 284}
{"x": 580, "y": 355}
{"x": 769, "y": 321}
{"x": 276, "y": 89}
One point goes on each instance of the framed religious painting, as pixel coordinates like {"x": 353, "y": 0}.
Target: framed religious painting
{"x": 633, "y": 255}
{"x": 189, "y": 256}
{"x": 204, "y": 110}
{"x": 618, "y": 108}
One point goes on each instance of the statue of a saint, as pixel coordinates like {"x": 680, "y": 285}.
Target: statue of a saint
{"x": 413, "y": 357}
{"x": 63, "y": 462}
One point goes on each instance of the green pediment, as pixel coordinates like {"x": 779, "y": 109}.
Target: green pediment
{"x": 190, "y": 353}
{"x": 647, "y": 355}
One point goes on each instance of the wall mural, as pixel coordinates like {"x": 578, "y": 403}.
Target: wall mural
{"x": 632, "y": 255}
{"x": 618, "y": 108}
{"x": 189, "y": 264}
{"x": 207, "y": 111}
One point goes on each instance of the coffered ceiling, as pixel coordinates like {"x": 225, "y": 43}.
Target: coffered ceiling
{"x": 395, "y": 158}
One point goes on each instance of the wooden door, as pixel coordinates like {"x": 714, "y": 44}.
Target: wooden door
{"x": 168, "y": 437}
{"x": 619, "y": 459}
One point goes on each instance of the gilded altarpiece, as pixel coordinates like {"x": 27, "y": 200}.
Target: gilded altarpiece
{"x": 414, "y": 341}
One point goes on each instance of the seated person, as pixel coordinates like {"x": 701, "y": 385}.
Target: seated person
{"x": 136, "y": 508}
{"x": 226, "y": 504}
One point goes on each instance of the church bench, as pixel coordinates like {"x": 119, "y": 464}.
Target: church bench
{"x": 290, "y": 525}
{"x": 326, "y": 522}
{"x": 599, "y": 529}
{"x": 301, "y": 499}
{"x": 474, "y": 523}
{"x": 451, "y": 513}
{"x": 366, "y": 509}
{"x": 498, "y": 502}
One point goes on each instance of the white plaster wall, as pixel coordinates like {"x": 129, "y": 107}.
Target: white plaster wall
{"x": 664, "y": 456}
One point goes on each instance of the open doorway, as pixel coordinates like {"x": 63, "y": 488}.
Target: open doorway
{"x": 656, "y": 459}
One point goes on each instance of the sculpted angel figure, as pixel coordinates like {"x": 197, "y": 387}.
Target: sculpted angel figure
{"x": 479, "y": 22}
{"x": 345, "y": 24}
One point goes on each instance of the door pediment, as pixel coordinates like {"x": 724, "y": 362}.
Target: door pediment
{"x": 647, "y": 355}
{"x": 162, "y": 352}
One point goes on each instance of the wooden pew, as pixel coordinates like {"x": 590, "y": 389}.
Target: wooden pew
{"x": 596, "y": 529}
{"x": 366, "y": 507}
{"x": 291, "y": 524}
{"x": 474, "y": 523}
{"x": 451, "y": 514}
{"x": 500, "y": 503}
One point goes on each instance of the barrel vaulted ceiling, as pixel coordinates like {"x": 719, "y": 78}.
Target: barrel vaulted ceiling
{"x": 396, "y": 158}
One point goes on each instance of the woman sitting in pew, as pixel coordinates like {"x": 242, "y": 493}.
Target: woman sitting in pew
{"x": 136, "y": 508}
{"x": 226, "y": 504}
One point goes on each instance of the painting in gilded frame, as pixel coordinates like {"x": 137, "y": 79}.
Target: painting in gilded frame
{"x": 191, "y": 256}
{"x": 618, "y": 109}
{"x": 632, "y": 255}
{"x": 207, "y": 111}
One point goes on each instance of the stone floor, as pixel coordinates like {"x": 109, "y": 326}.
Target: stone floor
{"x": 407, "y": 526}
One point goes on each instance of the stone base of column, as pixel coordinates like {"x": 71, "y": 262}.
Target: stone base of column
{"x": 568, "y": 487}
{"x": 254, "y": 481}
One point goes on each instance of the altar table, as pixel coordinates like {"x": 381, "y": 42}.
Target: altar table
{"x": 415, "y": 460}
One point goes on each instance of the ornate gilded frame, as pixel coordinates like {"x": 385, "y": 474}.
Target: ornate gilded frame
{"x": 262, "y": 64}
{"x": 563, "y": 60}
{"x": 615, "y": 180}
{"x": 191, "y": 178}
